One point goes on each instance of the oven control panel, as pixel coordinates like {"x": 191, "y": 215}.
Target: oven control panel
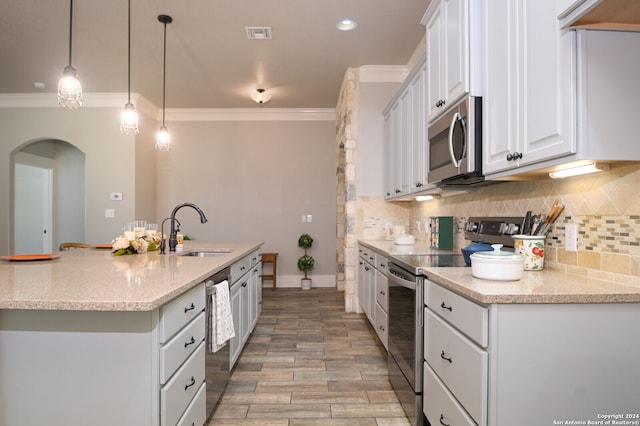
{"x": 493, "y": 230}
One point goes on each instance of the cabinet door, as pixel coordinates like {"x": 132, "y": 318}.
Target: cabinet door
{"x": 403, "y": 166}
{"x": 434, "y": 28}
{"x": 419, "y": 145}
{"x": 455, "y": 53}
{"x": 388, "y": 155}
{"x": 529, "y": 99}
{"x": 235, "y": 344}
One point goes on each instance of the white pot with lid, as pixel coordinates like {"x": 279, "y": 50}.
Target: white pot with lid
{"x": 497, "y": 265}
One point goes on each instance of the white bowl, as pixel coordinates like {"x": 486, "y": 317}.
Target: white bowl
{"x": 497, "y": 265}
{"x": 404, "y": 239}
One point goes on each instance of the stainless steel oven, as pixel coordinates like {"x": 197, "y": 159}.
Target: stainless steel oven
{"x": 455, "y": 145}
{"x": 405, "y": 359}
{"x": 406, "y": 338}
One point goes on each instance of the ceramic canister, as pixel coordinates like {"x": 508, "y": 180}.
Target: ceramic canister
{"x": 532, "y": 247}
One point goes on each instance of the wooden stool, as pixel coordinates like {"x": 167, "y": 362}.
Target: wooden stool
{"x": 272, "y": 259}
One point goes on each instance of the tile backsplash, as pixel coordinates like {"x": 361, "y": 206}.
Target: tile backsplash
{"x": 605, "y": 207}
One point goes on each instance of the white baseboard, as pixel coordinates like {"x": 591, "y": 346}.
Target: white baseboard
{"x": 293, "y": 281}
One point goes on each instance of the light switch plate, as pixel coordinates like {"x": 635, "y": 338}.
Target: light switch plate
{"x": 571, "y": 237}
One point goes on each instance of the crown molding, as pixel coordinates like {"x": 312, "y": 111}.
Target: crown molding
{"x": 382, "y": 73}
{"x": 251, "y": 114}
{"x": 144, "y": 106}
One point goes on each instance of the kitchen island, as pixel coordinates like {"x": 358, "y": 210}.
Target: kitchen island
{"x": 84, "y": 338}
{"x": 551, "y": 348}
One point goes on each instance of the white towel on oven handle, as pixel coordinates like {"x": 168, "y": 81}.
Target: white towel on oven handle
{"x": 221, "y": 321}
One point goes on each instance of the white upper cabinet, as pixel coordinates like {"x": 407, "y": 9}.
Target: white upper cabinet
{"x": 405, "y": 138}
{"x": 419, "y": 168}
{"x": 529, "y": 100}
{"x": 447, "y": 26}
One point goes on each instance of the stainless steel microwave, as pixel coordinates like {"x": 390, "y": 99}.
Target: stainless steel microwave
{"x": 455, "y": 145}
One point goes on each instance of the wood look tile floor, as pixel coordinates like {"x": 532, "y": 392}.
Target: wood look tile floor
{"x": 310, "y": 363}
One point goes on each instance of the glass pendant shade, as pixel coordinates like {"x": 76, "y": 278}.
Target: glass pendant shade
{"x": 70, "y": 89}
{"x": 129, "y": 120}
{"x": 163, "y": 140}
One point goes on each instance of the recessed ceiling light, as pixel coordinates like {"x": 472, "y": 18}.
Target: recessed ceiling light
{"x": 39, "y": 85}
{"x": 346, "y": 25}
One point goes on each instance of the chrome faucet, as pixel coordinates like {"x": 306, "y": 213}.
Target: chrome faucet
{"x": 173, "y": 236}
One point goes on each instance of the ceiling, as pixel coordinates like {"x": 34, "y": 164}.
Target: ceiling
{"x": 210, "y": 61}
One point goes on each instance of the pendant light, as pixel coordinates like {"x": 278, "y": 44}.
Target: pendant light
{"x": 69, "y": 87}
{"x": 163, "y": 140}
{"x": 129, "y": 118}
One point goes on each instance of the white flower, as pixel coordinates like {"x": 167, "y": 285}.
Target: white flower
{"x": 120, "y": 243}
{"x": 140, "y": 245}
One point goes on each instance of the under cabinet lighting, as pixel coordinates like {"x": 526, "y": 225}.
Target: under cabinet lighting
{"x": 579, "y": 170}
{"x": 427, "y": 197}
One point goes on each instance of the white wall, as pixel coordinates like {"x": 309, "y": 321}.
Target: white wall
{"x": 254, "y": 180}
{"x": 110, "y": 160}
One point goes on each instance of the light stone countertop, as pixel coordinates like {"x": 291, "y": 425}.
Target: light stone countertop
{"x": 546, "y": 286}
{"x": 95, "y": 280}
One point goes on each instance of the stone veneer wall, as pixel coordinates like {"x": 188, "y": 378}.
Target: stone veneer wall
{"x": 346, "y": 145}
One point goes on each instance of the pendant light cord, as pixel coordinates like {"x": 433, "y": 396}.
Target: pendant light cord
{"x": 129, "y": 55}
{"x": 70, "y": 29}
{"x": 164, "y": 73}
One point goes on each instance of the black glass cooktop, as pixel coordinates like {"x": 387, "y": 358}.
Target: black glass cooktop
{"x": 413, "y": 262}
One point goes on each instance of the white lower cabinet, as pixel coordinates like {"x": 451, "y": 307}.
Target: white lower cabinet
{"x": 373, "y": 287}
{"x": 542, "y": 363}
{"x": 440, "y": 406}
{"x": 246, "y": 301}
{"x": 180, "y": 390}
{"x": 196, "y": 411}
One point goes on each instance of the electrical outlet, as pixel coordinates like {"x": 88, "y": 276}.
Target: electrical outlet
{"x": 109, "y": 213}
{"x": 309, "y": 218}
{"x": 571, "y": 237}
{"x": 304, "y": 217}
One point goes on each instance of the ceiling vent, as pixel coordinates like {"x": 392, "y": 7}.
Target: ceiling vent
{"x": 258, "y": 33}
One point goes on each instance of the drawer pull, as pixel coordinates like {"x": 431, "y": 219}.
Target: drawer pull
{"x": 444, "y": 356}
{"x": 382, "y": 292}
{"x": 190, "y": 342}
{"x": 443, "y": 306}
{"x": 244, "y": 284}
{"x": 193, "y": 382}
{"x": 190, "y": 308}
{"x": 381, "y": 328}
{"x": 442, "y": 422}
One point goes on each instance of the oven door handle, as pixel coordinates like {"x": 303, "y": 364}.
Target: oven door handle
{"x": 401, "y": 281}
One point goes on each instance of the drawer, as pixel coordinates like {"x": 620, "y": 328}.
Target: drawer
{"x": 256, "y": 257}
{"x": 468, "y": 317}
{"x": 439, "y": 405}
{"x": 458, "y": 362}
{"x": 196, "y": 414}
{"x": 240, "y": 268}
{"x": 381, "y": 264}
{"x": 382, "y": 324}
{"x": 382, "y": 290}
{"x": 177, "y": 313}
{"x": 179, "y": 391}
{"x": 173, "y": 354}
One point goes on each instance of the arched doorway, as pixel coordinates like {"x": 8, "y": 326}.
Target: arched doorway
{"x": 48, "y": 198}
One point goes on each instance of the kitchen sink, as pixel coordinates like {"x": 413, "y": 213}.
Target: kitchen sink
{"x": 206, "y": 253}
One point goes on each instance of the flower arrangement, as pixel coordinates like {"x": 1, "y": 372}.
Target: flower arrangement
{"x": 140, "y": 245}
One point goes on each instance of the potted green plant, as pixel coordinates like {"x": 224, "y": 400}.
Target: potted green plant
{"x": 305, "y": 262}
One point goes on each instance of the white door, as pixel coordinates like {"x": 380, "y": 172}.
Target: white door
{"x": 33, "y": 209}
